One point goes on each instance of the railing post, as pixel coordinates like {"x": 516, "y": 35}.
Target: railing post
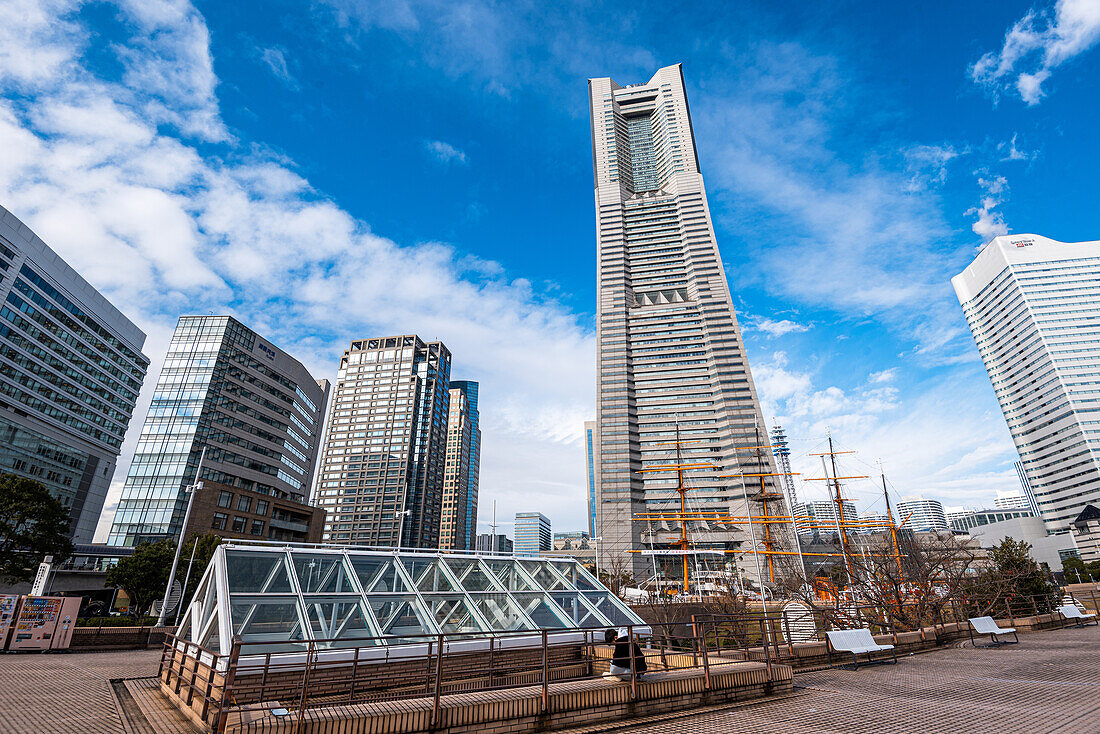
{"x": 787, "y": 635}
{"x": 222, "y": 716}
{"x": 633, "y": 670}
{"x": 545, "y": 674}
{"x": 354, "y": 673}
{"x": 491, "y": 639}
{"x": 702, "y": 646}
{"x": 438, "y": 681}
{"x": 305, "y": 682}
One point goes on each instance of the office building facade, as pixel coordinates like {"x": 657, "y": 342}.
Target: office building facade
{"x": 381, "y": 478}
{"x": 918, "y": 513}
{"x": 591, "y": 440}
{"x": 455, "y": 525}
{"x": 1033, "y": 306}
{"x": 533, "y": 534}
{"x": 669, "y": 348}
{"x": 255, "y": 410}
{"x": 471, "y": 391}
{"x": 71, "y": 368}
{"x": 489, "y": 543}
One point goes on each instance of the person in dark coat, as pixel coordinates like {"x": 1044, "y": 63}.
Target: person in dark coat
{"x": 628, "y": 659}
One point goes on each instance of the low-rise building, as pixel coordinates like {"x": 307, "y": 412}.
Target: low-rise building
{"x": 235, "y": 512}
{"x": 1045, "y": 548}
{"x": 1086, "y": 533}
{"x": 489, "y": 543}
{"x": 965, "y": 523}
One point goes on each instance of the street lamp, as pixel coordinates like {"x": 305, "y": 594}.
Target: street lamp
{"x": 191, "y": 489}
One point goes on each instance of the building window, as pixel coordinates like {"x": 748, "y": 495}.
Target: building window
{"x": 238, "y": 524}
{"x": 257, "y": 527}
{"x": 261, "y": 507}
{"x": 225, "y": 499}
{"x": 220, "y": 519}
{"x": 244, "y": 504}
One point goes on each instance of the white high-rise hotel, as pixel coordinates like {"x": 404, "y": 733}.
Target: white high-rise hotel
{"x": 1033, "y": 305}
{"x": 669, "y": 348}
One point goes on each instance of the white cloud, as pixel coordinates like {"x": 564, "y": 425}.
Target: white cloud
{"x": 775, "y": 327}
{"x": 445, "y": 152}
{"x": 959, "y": 454}
{"x": 275, "y": 60}
{"x": 140, "y": 186}
{"x": 928, "y": 164}
{"x": 1037, "y": 44}
{"x": 1011, "y": 152}
{"x": 990, "y": 223}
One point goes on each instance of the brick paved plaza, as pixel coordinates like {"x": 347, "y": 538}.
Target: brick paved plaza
{"x": 1050, "y": 682}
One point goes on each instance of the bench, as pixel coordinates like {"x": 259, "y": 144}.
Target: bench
{"x": 857, "y": 642}
{"x": 986, "y": 626}
{"x": 1070, "y": 611}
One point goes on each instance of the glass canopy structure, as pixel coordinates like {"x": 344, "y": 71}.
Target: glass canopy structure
{"x": 281, "y": 597}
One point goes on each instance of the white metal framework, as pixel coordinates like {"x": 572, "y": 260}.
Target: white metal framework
{"x": 278, "y": 597}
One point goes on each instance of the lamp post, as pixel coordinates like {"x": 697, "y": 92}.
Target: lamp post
{"x": 191, "y": 489}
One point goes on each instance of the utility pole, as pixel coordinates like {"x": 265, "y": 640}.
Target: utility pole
{"x": 191, "y": 490}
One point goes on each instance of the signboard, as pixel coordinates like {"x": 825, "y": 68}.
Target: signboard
{"x": 38, "y": 588}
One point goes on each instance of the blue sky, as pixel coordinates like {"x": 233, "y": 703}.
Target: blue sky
{"x": 337, "y": 169}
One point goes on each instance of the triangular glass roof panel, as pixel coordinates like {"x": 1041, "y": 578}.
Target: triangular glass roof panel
{"x": 577, "y": 610}
{"x": 471, "y": 576}
{"x": 378, "y": 573}
{"x": 501, "y": 612}
{"x": 256, "y": 572}
{"x": 543, "y": 612}
{"x": 510, "y": 575}
{"x": 321, "y": 573}
{"x": 428, "y": 575}
{"x": 452, "y": 613}
{"x": 341, "y": 621}
{"x": 400, "y": 615}
{"x": 543, "y": 575}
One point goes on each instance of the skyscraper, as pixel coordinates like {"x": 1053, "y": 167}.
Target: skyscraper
{"x": 71, "y": 368}
{"x": 255, "y": 409}
{"x": 381, "y": 477}
{"x": 533, "y": 534}
{"x": 1033, "y": 305}
{"x": 457, "y": 523}
{"x": 590, "y": 440}
{"x": 669, "y": 349}
{"x": 918, "y": 513}
{"x": 471, "y": 389}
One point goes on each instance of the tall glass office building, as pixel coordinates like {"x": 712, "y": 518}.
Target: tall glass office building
{"x": 471, "y": 389}
{"x": 669, "y": 350}
{"x": 533, "y": 534}
{"x": 381, "y": 477}
{"x": 255, "y": 409}
{"x": 1033, "y": 306}
{"x": 590, "y": 440}
{"x": 71, "y": 368}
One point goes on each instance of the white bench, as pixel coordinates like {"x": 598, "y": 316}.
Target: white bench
{"x": 857, "y": 642}
{"x": 986, "y": 626}
{"x": 1070, "y": 611}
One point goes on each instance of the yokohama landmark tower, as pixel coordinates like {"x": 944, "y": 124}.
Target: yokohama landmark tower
{"x": 670, "y": 355}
